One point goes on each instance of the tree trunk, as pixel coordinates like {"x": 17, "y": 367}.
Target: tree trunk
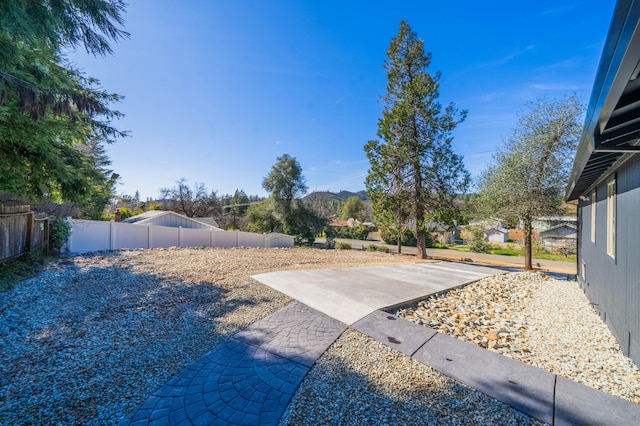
{"x": 399, "y": 232}
{"x": 421, "y": 246}
{"x": 528, "y": 266}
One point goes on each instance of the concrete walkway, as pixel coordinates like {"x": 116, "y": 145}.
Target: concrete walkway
{"x": 251, "y": 378}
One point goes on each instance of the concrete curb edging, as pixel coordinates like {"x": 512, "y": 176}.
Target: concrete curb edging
{"x": 540, "y": 394}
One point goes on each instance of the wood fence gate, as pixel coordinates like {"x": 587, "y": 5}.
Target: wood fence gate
{"x": 21, "y": 231}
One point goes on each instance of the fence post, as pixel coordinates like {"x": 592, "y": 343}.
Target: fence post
{"x": 149, "y": 237}
{"x": 46, "y": 236}
{"x": 70, "y": 240}
{"x": 237, "y": 238}
{"x": 30, "y": 218}
{"x": 112, "y": 235}
{"x": 179, "y": 236}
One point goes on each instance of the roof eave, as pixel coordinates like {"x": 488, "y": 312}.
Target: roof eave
{"x": 615, "y": 68}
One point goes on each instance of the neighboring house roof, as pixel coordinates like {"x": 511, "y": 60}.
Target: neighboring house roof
{"x": 497, "y": 231}
{"x": 557, "y": 218}
{"x": 206, "y": 220}
{"x": 610, "y": 134}
{"x": 145, "y": 216}
{"x": 431, "y": 226}
{"x": 562, "y": 225}
{"x": 438, "y": 227}
{"x": 488, "y": 223}
{"x": 159, "y": 217}
{"x": 339, "y": 223}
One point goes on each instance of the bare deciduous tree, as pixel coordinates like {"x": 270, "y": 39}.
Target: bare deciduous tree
{"x": 192, "y": 202}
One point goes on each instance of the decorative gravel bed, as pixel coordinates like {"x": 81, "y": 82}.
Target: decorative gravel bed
{"x": 93, "y": 336}
{"x": 540, "y": 321}
{"x": 360, "y": 381}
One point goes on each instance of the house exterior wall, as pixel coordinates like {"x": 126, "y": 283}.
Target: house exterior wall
{"x": 564, "y": 235}
{"x": 497, "y": 237}
{"x": 613, "y": 284}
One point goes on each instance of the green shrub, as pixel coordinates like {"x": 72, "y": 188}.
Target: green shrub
{"x": 476, "y": 241}
{"x": 351, "y": 232}
{"x": 390, "y": 236}
{"x": 342, "y": 246}
{"x": 330, "y": 236}
{"x": 25, "y": 266}
{"x": 380, "y": 249}
{"x": 59, "y": 231}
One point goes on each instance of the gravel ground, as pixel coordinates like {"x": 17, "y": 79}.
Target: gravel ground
{"x": 540, "y": 321}
{"x": 359, "y": 381}
{"x": 93, "y": 336}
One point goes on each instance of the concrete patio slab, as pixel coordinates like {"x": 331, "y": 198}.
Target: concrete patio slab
{"x": 577, "y": 404}
{"x": 350, "y": 294}
{"x": 524, "y": 387}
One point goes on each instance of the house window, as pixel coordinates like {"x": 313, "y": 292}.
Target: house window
{"x": 593, "y": 217}
{"x": 611, "y": 218}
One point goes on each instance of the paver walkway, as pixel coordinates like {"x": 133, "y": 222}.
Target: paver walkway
{"x": 250, "y": 378}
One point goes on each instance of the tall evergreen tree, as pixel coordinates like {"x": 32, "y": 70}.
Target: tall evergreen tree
{"x": 418, "y": 134}
{"x": 54, "y": 121}
{"x": 32, "y": 34}
{"x": 390, "y": 198}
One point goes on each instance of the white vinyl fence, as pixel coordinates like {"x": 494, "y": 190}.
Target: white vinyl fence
{"x": 92, "y": 235}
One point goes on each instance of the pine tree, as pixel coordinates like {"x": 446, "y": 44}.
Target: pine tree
{"x": 54, "y": 121}
{"x": 417, "y": 134}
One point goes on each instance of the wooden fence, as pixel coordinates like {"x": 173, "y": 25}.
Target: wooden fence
{"x": 21, "y": 231}
{"x": 91, "y": 235}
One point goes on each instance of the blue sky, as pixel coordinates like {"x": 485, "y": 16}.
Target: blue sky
{"x": 216, "y": 90}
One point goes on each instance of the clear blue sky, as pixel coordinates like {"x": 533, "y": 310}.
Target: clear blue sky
{"x": 216, "y": 90}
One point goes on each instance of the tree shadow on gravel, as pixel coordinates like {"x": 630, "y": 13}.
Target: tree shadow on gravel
{"x": 87, "y": 343}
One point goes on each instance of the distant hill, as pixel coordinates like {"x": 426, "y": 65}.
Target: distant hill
{"x": 341, "y": 196}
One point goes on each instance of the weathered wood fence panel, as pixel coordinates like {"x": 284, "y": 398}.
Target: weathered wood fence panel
{"x": 90, "y": 235}
{"x": 20, "y": 231}
{"x": 40, "y": 234}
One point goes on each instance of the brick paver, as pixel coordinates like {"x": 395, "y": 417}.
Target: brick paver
{"x": 247, "y": 380}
